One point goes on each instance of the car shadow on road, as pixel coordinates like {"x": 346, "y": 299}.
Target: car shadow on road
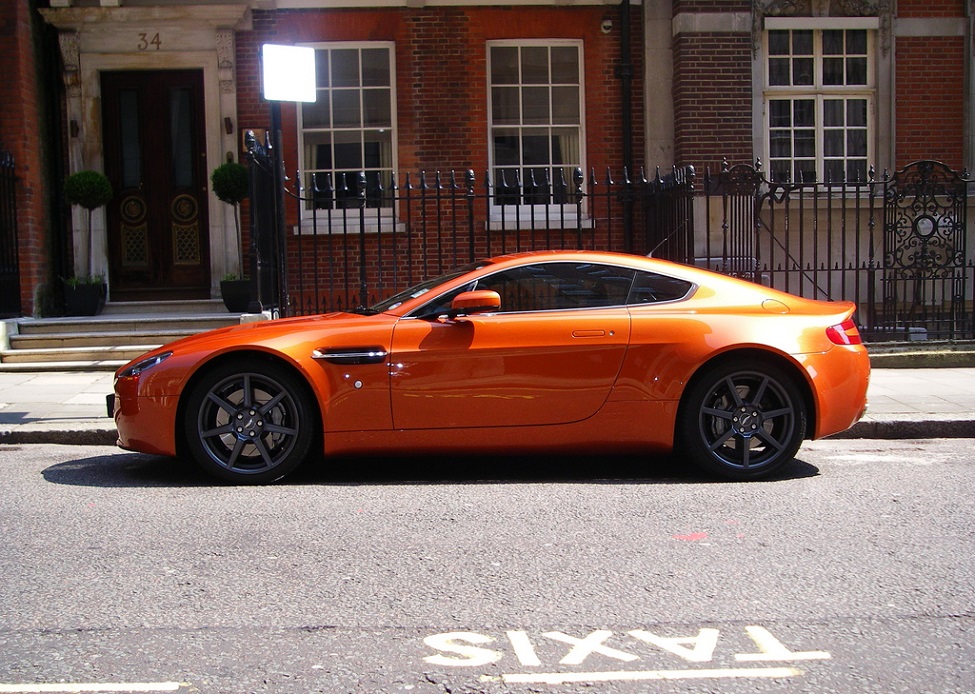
{"x": 143, "y": 470}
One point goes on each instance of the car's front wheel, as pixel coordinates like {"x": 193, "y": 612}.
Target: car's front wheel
{"x": 249, "y": 424}
{"x": 742, "y": 421}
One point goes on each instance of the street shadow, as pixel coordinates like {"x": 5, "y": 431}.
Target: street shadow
{"x": 127, "y": 470}
{"x": 143, "y": 470}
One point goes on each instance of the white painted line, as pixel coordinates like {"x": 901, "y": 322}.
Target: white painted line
{"x": 637, "y": 675}
{"x": 80, "y": 688}
{"x": 523, "y": 648}
{"x": 772, "y": 649}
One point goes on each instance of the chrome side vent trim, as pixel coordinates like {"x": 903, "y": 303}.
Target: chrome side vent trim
{"x": 351, "y": 356}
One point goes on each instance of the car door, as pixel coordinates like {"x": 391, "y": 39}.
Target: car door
{"x": 550, "y": 356}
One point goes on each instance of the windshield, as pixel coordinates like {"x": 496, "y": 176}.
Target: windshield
{"x": 422, "y": 288}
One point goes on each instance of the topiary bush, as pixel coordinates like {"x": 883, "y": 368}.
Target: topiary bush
{"x": 90, "y": 190}
{"x": 230, "y": 184}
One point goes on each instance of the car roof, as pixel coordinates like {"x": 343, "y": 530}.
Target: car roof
{"x": 501, "y": 262}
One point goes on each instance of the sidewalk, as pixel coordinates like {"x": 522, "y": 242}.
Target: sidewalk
{"x": 69, "y": 407}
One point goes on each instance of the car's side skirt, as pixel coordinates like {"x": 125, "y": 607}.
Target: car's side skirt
{"x": 646, "y": 426}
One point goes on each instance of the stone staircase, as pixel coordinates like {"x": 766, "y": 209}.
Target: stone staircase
{"x": 104, "y": 342}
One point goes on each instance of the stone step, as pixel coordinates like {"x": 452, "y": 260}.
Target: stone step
{"x": 104, "y": 342}
{"x": 128, "y": 323}
{"x": 93, "y": 339}
{"x": 58, "y": 366}
{"x": 118, "y": 355}
{"x": 188, "y": 307}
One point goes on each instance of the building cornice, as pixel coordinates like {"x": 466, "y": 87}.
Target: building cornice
{"x": 84, "y": 18}
{"x": 712, "y": 23}
{"x": 419, "y": 4}
{"x": 883, "y": 10}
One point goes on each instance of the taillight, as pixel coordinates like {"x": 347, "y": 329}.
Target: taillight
{"x": 845, "y": 333}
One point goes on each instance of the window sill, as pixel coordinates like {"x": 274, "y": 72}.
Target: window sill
{"x": 526, "y": 221}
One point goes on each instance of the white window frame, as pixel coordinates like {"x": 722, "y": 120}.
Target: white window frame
{"x": 818, "y": 92}
{"x": 348, "y": 218}
{"x": 525, "y": 213}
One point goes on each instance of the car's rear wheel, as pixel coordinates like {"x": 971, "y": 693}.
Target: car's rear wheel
{"x": 742, "y": 421}
{"x": 249, "y": 424}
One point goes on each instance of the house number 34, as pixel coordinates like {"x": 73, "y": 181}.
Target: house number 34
{"x": 149, "y": 42}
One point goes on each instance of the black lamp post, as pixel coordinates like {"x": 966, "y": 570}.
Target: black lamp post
{"x": 288, "y": 74}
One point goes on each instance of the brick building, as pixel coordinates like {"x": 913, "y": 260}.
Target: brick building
{"x": 156, "y": 93}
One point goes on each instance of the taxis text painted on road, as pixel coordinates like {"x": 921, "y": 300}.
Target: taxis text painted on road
{"x": 556, "y": 649}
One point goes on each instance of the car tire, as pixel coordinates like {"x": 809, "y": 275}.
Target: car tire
{"x": 742, "y": 420}
{"x": 249, "y": 424}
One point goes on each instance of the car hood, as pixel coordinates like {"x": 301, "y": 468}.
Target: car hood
{"x": 266, "y": 332}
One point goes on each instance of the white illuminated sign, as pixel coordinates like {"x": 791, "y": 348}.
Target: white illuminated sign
{"x": 289, "y": 73}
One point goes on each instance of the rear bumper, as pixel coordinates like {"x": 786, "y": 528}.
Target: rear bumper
{"x": 839, "y": 380}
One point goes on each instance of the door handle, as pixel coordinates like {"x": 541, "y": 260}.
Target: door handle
{"x": 588, "y": 333}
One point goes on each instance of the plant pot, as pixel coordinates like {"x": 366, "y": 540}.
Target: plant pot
{"x": 84, "y": 299}
{"x": 236, "y": 295}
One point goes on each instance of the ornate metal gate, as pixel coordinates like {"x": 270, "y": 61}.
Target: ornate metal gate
{"x": 925, "y": 252}
{"x": 899, "y": 247}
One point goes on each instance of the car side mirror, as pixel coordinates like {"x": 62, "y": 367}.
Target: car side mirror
{"x": 477, "y": 301}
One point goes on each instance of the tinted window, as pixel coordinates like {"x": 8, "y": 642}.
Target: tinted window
{"x": 651, "y": 288}
{"x": 554, "y": 286}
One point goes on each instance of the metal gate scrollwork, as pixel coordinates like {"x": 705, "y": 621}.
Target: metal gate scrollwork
{"x": 924, "y": 267}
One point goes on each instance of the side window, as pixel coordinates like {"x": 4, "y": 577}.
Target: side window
{"x": 442, "y": 303}
{"x": 556, "y": 286}
{"x": 651, "y": 288}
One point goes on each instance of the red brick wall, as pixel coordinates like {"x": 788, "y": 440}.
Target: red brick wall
{"x": 712, "y": 100}
{"x": 442, "y": 102}
{"x": 930, "y": 100}
{"x": 19, "y": 116}
{"x": 930, "y": 88}
{"x": 930, "y": 8}
{"x": 441, "y": 63}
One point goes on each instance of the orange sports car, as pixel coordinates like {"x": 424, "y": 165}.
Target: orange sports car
{"x": 532, "y": 352}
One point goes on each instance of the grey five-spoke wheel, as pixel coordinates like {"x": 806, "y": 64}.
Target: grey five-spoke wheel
{"x": 743, "y": 421}
{"x": 249, "y": 424}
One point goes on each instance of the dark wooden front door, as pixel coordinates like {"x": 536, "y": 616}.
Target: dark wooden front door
{"x": 155, "y": 157}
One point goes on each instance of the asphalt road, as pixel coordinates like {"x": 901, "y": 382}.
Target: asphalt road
{"x": 853, "y": 572}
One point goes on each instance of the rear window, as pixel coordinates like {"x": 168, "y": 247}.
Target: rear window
{"x": 651, "y": 288}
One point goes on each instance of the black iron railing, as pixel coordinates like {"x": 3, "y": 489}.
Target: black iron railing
{"x": 899, "y": 246}
{"x": 10, "y": 304}
{"x": 354, "y": 240}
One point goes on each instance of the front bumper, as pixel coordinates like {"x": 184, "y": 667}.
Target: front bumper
{"x": 145, "y": 423}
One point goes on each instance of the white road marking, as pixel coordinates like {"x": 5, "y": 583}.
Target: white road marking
{"x": 637, "y": 676}
{"x": 82, "y": 688}
{"x": 696, "y": 649}
{"x": 772, "y": 649}
{"x": 523, "y": 648}
{"x": 581, "y": 648}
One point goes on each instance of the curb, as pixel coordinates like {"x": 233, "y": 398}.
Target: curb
{"x": 888, "y": 429}
{"x": 915, "y": 355}
{"x": 894, "y": 429}
{"x": 88, "y": 436}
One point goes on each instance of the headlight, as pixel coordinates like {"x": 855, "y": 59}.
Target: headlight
{"x": 144, "y": 365}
